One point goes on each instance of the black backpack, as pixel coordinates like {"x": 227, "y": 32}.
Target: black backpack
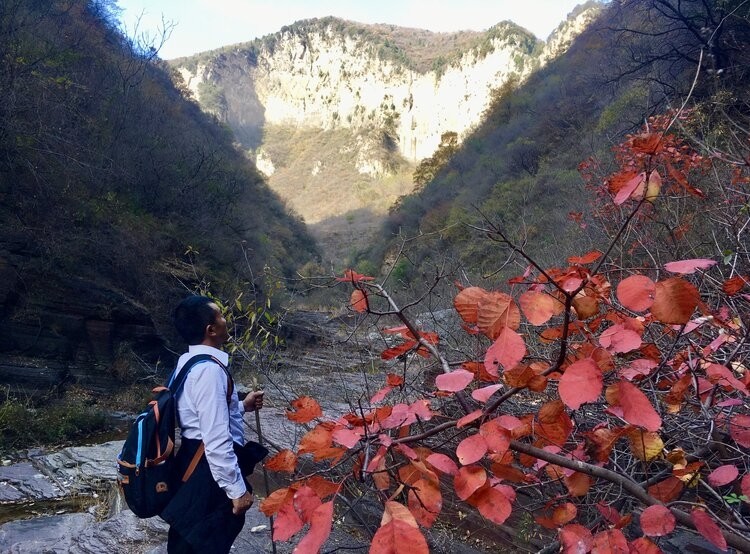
{"x": 146, "y": 461}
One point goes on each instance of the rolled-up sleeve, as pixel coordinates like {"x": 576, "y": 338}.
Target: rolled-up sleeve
{"x": 208, "y": 391}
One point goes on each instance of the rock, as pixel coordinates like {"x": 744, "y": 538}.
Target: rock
{"x": 82, "y": 533}
{"x": 69, "y": 331}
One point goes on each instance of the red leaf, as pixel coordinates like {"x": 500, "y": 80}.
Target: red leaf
{"x": 284, "y": 461}
{"x": 734, "y": 285}
{"x": 394, "y": 380}
{"x": 346, "y": 437}
{"x": 454, "y": 381}
{"x": 637, "y": 368}
{"x": 307, "y": 409}
{"x": 657, "y": 521}
{"x": 496, "y": 436}
{"x": 496, "y": 312}
{"x": 647, "y": 143}
{"x": 587, "y": 258}
{"x": 564, "y": 514}
{"x": 380, "y": 395}
{"x": 274, "y": 501}
{"x": 723, "y": 475}
{"x": 620, "y": 340}
{"x": 629, "y": 188}
{"x": 667, "y": 490}
{"x": 467, "y": 302}
{"x": 707, "y": 527}
{"x": 636, "y": 293}
{"x": 471, "y": 449}
{"x": 611, "y": 541}
{"x": 575, "y": 539}
{"x": 680, "y": 178}
{"x": 425, "y": 501}
{"x": 608, "y": 512}
{"x": 539, "y": 307}
{"x": 483, "y": 395}
{"x": 582, "y": 382}
{"x": 739, "y": 430}
{"x": 319, "y": 438}
{"x": 402, "y": 330}
{"x": 685, "y": 267}
{"x": 578, "y": 484}
{"x": 644, "y": 546}
{"x": 468, "y": 480}
{"x": 674, "y": 301}
{"x": 636, "y": 408}
{"x": 396, "y": 351}
{"x": 508, "y": 350}
{"x": 745, "y": 486}
{"x": 352, "y": 276}
{"x": 492, "y": 504}
{"x": 358, "y": 301}
{"x": 398, "y": 537}
{"x": 443, "y": 463}
{"x": 306, "y": 500}
{"x": 320, "y": 527}
{"x": 395, "y": 511}
{"x": 720, "y": 374}
{"x": 323, "y": 487}
{"x": 287, "y": 523}
{"x": 468, "y": 418}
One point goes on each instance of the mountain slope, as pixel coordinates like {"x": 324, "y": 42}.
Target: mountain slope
{"x": 117, "y": 194}
{"x": 518, "y": 170}
{"x": 338, "y": 113}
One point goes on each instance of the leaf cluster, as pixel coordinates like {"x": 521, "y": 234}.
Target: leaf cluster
{"x": 632, "y": 421}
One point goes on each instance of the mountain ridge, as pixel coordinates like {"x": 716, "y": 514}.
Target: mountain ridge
{"x": 357, "y": 86}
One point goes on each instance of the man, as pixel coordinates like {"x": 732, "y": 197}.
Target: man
{"x": 208, "y": 511}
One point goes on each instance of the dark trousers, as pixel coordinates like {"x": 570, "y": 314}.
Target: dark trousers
{"x": 200, "y": 514}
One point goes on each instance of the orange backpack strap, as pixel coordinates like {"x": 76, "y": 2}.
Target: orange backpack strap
{"x": 194, "y": 462}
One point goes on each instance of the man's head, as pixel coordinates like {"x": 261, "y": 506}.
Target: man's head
{"x": 199, "y": 321}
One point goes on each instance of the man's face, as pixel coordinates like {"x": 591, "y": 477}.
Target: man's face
{"x": 218, "y": 331}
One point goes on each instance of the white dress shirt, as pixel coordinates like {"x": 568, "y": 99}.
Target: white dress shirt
{"x": 202, "y": 408}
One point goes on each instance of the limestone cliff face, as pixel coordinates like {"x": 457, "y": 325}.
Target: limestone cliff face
{"x": 337, "y": 113}
{"x": 323, "y": 79}
{"x": 565, "y": 33}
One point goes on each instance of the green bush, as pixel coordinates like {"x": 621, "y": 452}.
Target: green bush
{"x": 27, "y": 423}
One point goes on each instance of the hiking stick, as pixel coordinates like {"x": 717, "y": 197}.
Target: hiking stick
{"x": 265, "y": 472}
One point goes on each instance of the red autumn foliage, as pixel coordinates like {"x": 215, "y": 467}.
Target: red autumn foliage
{"x": 723, "y": 475}
{"x": 636, "y": 293}
{"x": 707, "y": 527}
{"x": 657, "y": 521}
{"x": 305, "y": 410}
{"x": 582, "y": 382}
{"x": 284, "y": 461}
{"x": 596, "y": 404}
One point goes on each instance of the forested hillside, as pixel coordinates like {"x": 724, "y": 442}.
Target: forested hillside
{"x": 519, "y": 170}
{"x": 118, "y": 195}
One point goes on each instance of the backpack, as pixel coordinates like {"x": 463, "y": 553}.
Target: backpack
{"x": 146, "y": 462}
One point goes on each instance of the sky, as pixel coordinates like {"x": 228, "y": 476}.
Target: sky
{"x": 200, "y": 25}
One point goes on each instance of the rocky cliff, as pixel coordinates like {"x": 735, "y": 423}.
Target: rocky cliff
{"x": 369, "y": 100}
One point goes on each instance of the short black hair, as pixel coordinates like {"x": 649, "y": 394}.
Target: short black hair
{"x": 192, "y": 316}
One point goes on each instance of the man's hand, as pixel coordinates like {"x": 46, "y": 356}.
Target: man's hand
{"x": 242, "y": 504}
{"x": 253, "y": 401}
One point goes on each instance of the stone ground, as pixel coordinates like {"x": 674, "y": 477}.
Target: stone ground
{"x": 67, "y": 501}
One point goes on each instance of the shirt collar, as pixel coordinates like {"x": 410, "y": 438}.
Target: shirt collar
{"x": 195, "y": 349}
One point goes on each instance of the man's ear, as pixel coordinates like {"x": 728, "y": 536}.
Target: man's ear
{"x": 209, "y": 331}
